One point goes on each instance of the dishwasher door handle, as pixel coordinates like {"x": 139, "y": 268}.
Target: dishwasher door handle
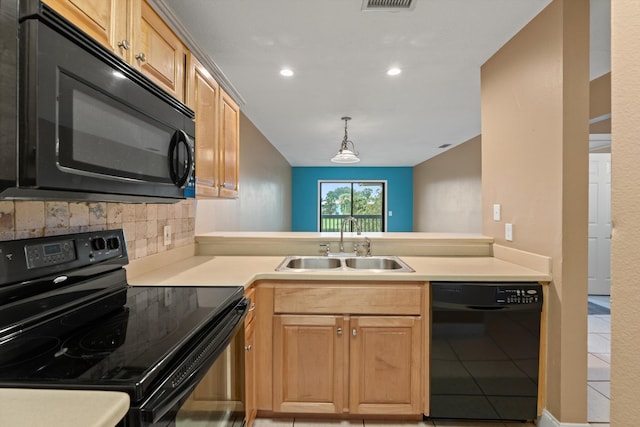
{"x": 484, "y": 308}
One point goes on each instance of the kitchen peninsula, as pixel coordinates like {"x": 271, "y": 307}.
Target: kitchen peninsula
{"x": 313, "y": 304}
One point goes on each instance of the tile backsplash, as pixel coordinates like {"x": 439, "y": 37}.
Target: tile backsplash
{"x": 143, "y": 224}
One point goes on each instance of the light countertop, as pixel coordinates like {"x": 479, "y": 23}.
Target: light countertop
{"x": 244, "y": 270}
{"x": 307, "y": 243}
{"x": 315, "y": 236}
{"x": 61, "y": 408}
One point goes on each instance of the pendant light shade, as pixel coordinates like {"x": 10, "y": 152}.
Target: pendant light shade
{"x": 345, "y": 154}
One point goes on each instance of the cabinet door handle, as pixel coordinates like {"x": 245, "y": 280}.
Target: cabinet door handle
{"x": 141, "y": 57}
{"x": 339, "y": 332}
{"x": 248, "y": 347}
{"x": 354, "y": 332}
{"x": 253, "y": 307}
{"x": 124, "y": 44}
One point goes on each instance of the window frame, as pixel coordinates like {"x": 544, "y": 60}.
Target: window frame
{"x": 385, "y": 191}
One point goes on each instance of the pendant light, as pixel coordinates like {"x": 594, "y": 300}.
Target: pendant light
{"x": 344, "y": 154}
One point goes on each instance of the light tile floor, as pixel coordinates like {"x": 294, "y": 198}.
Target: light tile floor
{"x": 264, "y": 422}
{"x": 599, "y": 366}
{"x": 598, "y": 393}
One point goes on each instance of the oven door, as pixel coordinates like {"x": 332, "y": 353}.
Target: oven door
{"x": 90, "y": 123}
{"x": 207, "y": 387}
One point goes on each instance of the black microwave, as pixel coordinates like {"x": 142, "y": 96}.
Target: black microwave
{"x": 79, "y": 123}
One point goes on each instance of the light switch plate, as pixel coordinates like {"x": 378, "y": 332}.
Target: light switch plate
{"x": 508, "y": 232}
{"x": 496, "y": 212}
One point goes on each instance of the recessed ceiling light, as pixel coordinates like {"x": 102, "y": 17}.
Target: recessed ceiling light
{"x": 286, "y": 72}
{"x": 393, "y": 71}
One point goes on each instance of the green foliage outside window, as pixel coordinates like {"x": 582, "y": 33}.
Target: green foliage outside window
{"x": 362, "y": 200}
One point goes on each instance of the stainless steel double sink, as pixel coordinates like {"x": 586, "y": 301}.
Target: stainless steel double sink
{"x": 346, "y": 263}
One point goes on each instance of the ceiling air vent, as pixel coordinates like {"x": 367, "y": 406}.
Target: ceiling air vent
{"x": 388, "y": 5}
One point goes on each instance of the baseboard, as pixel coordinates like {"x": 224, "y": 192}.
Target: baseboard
{"x": 548, "y": 420}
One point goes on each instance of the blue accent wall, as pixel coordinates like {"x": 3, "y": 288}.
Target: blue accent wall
{"x": 305, "y": 193}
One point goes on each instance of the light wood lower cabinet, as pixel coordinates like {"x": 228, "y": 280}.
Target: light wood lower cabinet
{"x": 347, "y": 364}
{"x": 385, "y": 365}
{"x": 250, "y": 358}
{"x": 249, "y": 369}
{"x": 309, "y": 363}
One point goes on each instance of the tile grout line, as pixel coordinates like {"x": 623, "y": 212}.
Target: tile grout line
{"x": 598, "y": 391}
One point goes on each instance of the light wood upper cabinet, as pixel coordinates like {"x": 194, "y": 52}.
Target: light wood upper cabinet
{"x": 159, "y": 53}
{"x": 217, "y": 134}
{"x": 107, "y": 21}
{"x": 229, "y": 146}
{"x": 203, "y": 98}
{"x": 135, "y": 32}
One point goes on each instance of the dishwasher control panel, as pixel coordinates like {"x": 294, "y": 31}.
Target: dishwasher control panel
{"x": 480, "y": 296}
{"x": 517, "y": 296}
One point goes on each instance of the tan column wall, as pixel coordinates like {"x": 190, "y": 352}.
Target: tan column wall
{"x": 625, "y": 205}
{"x": 535, "y": 112}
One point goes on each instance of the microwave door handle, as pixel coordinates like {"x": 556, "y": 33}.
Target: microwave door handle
{"x": 178, "y": 176}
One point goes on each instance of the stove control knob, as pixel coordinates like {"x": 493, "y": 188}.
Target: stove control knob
{"x": 99, "y": 243}
{"x": 113, "y": 243}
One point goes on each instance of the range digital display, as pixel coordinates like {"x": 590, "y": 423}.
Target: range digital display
{"x": 52, "y": 249}
{"x": 42, "y": 255}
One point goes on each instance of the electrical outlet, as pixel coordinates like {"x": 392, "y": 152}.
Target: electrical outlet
{"x": 390, "y": 213}
{"x": 508, "y": 232}
{"x": 167, "y": 235}
{"x": 496, "y": 212}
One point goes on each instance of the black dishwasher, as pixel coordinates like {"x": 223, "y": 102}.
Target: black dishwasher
{"x": 485, "y": 347}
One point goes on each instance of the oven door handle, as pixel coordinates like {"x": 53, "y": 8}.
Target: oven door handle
{"x": 169, "y": 395}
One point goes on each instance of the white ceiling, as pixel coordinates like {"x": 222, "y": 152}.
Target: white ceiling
{"x": 340, "y": 55}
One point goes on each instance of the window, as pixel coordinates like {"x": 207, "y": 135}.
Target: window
{"x": 364, "y": 200}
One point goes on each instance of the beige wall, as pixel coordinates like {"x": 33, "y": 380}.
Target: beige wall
{"x": 600, "y": 104}
{"x": 539, "y": 174}
{"x": 625, "y": 201}
{"x": 447, "y": 191}
{"x": 265, "y": 190}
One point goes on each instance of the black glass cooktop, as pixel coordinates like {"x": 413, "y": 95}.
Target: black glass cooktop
{"x": 124, "y": 339}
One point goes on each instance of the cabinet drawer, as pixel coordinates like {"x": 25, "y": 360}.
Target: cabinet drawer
{"x": 352, "y": 299}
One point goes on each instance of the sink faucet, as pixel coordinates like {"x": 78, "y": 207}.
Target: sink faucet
{"x": 344, "y": 222}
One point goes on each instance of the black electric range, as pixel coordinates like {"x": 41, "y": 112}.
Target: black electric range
{"x": 69, "y": 320}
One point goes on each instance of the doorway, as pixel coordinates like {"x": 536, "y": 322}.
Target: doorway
{"x": 599, "y": 272}
{"x": 599, "y": 280}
